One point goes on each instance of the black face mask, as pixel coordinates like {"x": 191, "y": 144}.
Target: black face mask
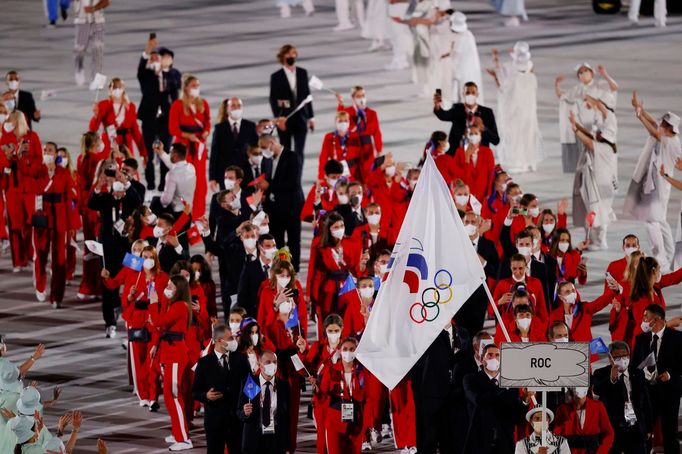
{"x": 355, "y": 200}
{"x": 290, "y": 61}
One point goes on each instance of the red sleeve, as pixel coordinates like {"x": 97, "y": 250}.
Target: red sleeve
{"x": 673, "y": 278}
{"x": 97, "y": 120}
{"x": 265, "y": 302}
{"x": 378, "y": 140}
{"x": 600, "y": 303}
{"x": 308, "y": 211}
{"x": 325, "y": 155}
{"x": 207, "y": 117}
{"x": 71, "y": 197}
{"x": 174, "y": 119}
{"x": 606, "y": 430}
{"x": 561, "y": 221}
{"x": 137, "y": 134}
{"x": 169, "y": 317}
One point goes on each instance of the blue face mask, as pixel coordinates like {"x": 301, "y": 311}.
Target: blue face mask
{"x": 58, "y": 160}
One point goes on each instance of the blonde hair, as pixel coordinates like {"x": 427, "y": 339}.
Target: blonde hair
{"x": 222, "y": 111}
{"x": 115, "y": 80}
{"x": 69, "y": 165}
{"x": 355, "y": 89}
{"x": 198, "y": 101}
{"x": 342, "y": 115}
{"x": 21, "y": 128}
{"x": 631, "y": 269}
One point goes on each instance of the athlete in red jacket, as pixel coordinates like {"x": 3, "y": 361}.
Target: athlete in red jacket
{"x": 341, "y": 145}
{"x": 364, "y": 121}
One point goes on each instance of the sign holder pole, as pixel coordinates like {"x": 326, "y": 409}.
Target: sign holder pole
{"x": 544, "y": 418}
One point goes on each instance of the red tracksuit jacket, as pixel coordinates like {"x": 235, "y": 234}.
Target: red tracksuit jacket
{"x": 596, "y": 422}
{"x": 127, "y": 131}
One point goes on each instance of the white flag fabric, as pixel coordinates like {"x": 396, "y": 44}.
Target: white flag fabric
{"x": 95, "y": 247}
{"x": 315, "y": 83}
{"x": 98, "y": 82}
{"x": 432, "y": 271}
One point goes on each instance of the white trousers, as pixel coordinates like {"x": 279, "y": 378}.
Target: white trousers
{"x": 660, "y": 11}
{"x": 662, "y": 243}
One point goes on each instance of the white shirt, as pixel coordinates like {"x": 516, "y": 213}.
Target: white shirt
{"x": 263, "y": 265}
{"x": 181, "y": 180}
{"x": 273, "y": 397}
{"x": 660, "y": 339}
{"x": 220, "y": 357}
{"x": 87, "y": 18}
{"x": 291, "y": 78}
{"x": 275, "y": 161}
{"x": 568, "y": 318}
{"x": 235, "y": 122}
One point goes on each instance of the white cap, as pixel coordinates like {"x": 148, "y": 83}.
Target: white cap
{"x": 22, "y": 426}
{"x": 29, "y": 401}
{"x": 520, "y": 47}
{"x": 583, "y": 65}
{"x": 443, "y": 5}
{"x": 522, "y": 61}
{"x": 673, "y": 120}
{"x": 458, "y": 22}
{"x": 532, "y": 411}
{"x": 9, "y": 377}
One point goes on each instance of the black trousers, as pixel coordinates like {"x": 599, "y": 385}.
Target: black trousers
{"x": 628, "y": 441}
{"x": 298, "y": 136}
{"x": 268, "y": 444}
{"x": 434, "y": 426}
{"x": 111, "y": 300}
{"x": 289, "y": 224}
{"x": 218, "y": 437}
{"x": 152, "y": 130}
{"x": 666, "y": 405}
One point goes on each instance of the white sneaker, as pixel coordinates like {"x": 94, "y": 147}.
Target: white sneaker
{"x": 512, "y": 22}
{"x": 56, "y": 305}
{"x": 41, "y": 296}
{"x": 17, "y": 269}
{"x": 170, "y": 439}
{"x": 343, "y": 27}
{"x": 182, "y": 446}
{"x": 5, "y": 245}
{"x": 386, "y": 431}
{"x": 374, "y": 436}
{"x": 84, "y": 297}
{"x": 110, "y": 332}
{"x": 80, "y": 77}
{"x": 366, "y": 446}
{"x": 405, "y": 450}
{"x": 145, "y": 403}
{"x": 413, "y": 450}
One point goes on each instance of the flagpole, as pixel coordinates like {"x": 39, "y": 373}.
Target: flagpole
{"x": 497, "y": 312}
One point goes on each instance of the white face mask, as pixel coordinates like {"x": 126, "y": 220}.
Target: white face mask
{"x": 118, "y": 186}
{"x": 548, "y": 228}
{"x": 383, "y": 269}
{"x": 390, "y": 171}
{"x": 197, "y": 275}
{"x": 159, "y": 231}
{"x": 236, "y": 114}
{"x": 360, "y": 102}
{"x": 117, "y": 92}
{"x": 338, "y": 233}
{"x": 622, "y": 363}
{"x": 236, "y": 204}
{"x": 151, "y": 219}
{"x": 561, "y": 339}
{"x": 194, "y": 92}
{"x": 284, "y": 308}
{"x": 8, "y": 126}
{"x": 493, "y": 365}
{"x": 343, "y": 199}
{"x": 461, "y": 200}
{"x": 148, "y": 264}
{"x": 270, "y": 369}
{"x": 563, "y": 247}
{"x": 534, "y": 212}
{"x": 255, "y": 338}
{"x": 539, "y": 426}
{"x": 366, "y": 292}
{"x": 267, "y": 153}
{"x": 523, "y": 323}
{"x": 256, "y": 160}
{"x": 646, "y": 326}
{"x": 264, "y": 229}
{"x": 581, "y": 392}
{"x": 333, "y": 338}
{"x": 331, "y": 182}
{"x": 342, "y": 127}
{"x": 48, "y": 159}
{"x": 231, "y": 345}
{"x": 347, "y": 356}
{"x": 524, "y": 250}
{"x": 474, "y": 139}
{"x": 155, "y": 66}
{"x": 64, "y": 162}
{"x": 229, "y": 184}
{"x": 249, "y": 243}
{"x": 234, "y": 327}
{"x": 13, "y": 85}
{"x": 374, "y": 219}
{"x": 168, "y": 293}
{"x": 3, "y": 117}
{"x": 470, "y": 229}
{"x": 270, "y": 253}
{"x": 570, "y": 298}
{"x": 470, "y": 99}
{"x": 283, "y": 281}
{"x": 630, "y": 250}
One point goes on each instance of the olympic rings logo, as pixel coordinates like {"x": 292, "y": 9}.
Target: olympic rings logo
{"x": 428, "y": 309}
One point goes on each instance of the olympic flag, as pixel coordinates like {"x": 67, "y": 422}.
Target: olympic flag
{"x": 432, "y": 271}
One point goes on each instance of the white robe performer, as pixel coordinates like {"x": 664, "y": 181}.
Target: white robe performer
{"x": 465, "y": 64}
{"x": 376, "y": 24}
{"x": 400, "y": 36}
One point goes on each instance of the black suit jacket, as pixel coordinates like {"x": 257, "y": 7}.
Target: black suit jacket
{"x": 283, "y": 101}
{"x": 226, "y": 151}
{"x": 139, "y": 188}
{"x": 221, "y": 413}
{"x": 669, "y": 359}
{"x": 249, "y": 282}
{"x": 252, "y": 434}
{"x": 612, "y": 395}
{"x": 458, "y": 117}
{"x": 350, "y": 220}
{"x": 152, "y": 96}
{"x": 493, "y": 412}
{"x": 265, "y": 168}
{"x": 285, "y": 194}
{"x": 27, "y": 105}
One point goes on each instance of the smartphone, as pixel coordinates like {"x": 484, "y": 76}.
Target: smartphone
{"x": 521, "y": 211}
{"x": 156, "y": 144}
{"x": 583, "y": 260}
{"x": 152, "y": 35}
{"x": 294, "y": 293}
{"x": 439, "y": 92}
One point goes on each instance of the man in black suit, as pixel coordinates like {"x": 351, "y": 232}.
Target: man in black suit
{"x": 622, "y": 388}
{"x": 168, "y": 248}
{"x": 463, "y": 115}
{"x": 472, "y": 315}
{"x": 661, "y": 348}
{"x": 20, "y": 100}
{"x": 434, "y": 389}
{"x": 254, "y": 165}
{"x": 266, "y": 417}
{"x": 160, "y": 84}
{"x": 551, "y": 264}
{"x": 129, "y": 169}
{"x": 289, "y": 88}
{"x": 284, "y": 199}
{"x": 114, "y": 205}
{"x": 493, "y": 411}
{"x": 218, "y": 381}
{"x": 352, "y": 212}
{"x": 231, "y": 139}
{"x": 523, "y": 246}
{"x": 254, "y": 273}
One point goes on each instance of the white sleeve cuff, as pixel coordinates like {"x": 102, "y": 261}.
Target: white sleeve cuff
{"x": 178, "y": 249}
{"x": 145, "y": 55}
{"x": 508, "y": 222}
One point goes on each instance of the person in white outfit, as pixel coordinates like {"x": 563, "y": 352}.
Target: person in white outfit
{"x": 552, "y": 444}
{"x": 343, "y": 15}
{"x": 660, "y": 12}
{"x": 400, "y": 36}
{"x": 512, "y": 10}
{"x": 649, "y": 193}
{"x": 376, "y": 24}
{"x": 285, "y": 7}
{"x": 520, "y": 149}
{"x": 596, "y": 178}
{"x": 574, "y": 101}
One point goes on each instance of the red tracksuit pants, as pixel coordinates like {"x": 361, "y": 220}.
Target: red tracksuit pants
{"x": 174, "y": 385}
{"x": 138, "y": 353}
{"x": 50, "y": 241}
{"x": 70, "y": 257}
{"x": 319, "y": 414}
{"x": 403, "y": 415}
{"x": 199, "y": 202}
{"x": 3, "y": 225}
{"x": 20, "y": 209}
{"x": 375, "y": 401}
{"x": 340, "y": 442}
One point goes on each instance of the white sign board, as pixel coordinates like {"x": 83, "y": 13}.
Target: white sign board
{"x": 544, "y": 365}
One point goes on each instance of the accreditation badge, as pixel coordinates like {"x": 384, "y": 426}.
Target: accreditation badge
{"x": 347, "y": 412}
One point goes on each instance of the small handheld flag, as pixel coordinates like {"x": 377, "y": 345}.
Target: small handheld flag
{"x": 133, "y": 262}
{"x": 94, "y": 247}
{"x": 251, "y": 388}
{"x": 298, "y": 364}
{"x": 589, "y": 219}
{"x": 293, "y": 319}
{"x": 597, "y": 346}
{"x": 257, "y": 180}
{"x": 348, "y": 285}
{"x": 649, "y": 361}
{"x": 193, "y": 235}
